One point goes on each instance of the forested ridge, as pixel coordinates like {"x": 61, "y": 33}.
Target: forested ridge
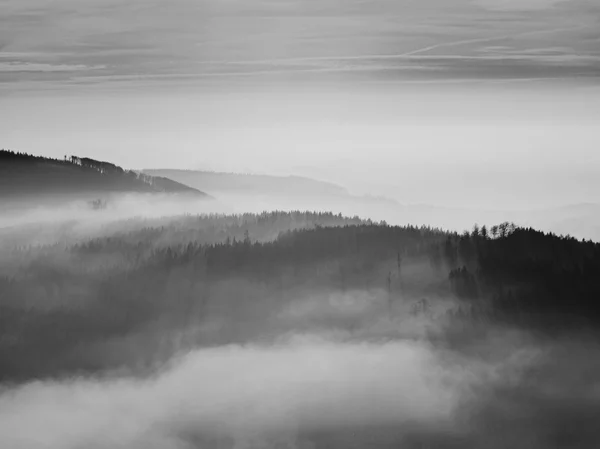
{"x": 23, "y": 174}
{"x": 62, "y": 304}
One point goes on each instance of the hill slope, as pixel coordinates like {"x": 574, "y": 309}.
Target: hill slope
{"x": 215, "y": 182}
{"x": 23, "y": 176}
{"x": 228, "y": 270}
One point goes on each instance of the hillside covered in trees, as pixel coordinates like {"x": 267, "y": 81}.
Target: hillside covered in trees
{"x": 342, "y": 317}
{"x": 243, "y": 270}
{"x": 24, "y": 176}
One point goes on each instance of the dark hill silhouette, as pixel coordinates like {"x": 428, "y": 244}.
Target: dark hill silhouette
{"x": 24, "y": 176}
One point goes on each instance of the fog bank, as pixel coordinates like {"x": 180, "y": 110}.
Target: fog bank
{"x": 251, "y": 396}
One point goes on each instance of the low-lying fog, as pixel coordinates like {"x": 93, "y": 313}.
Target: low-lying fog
{"x": 77, "y": 218}
{"x": 256, "y": 395}
{"x": 323, "y": 372}
{"x": 310, "y": 391}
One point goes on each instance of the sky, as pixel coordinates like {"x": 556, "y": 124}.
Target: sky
{"x": 436, "y": 101}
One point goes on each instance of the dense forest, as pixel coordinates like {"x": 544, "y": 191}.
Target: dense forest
{"x": 64, "y": 305}
{"x": 374, "y": 335}
{"x": 24, "y": 175}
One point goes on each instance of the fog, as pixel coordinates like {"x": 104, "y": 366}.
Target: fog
{"x": 449, "y": 146}
{"x": 289, "y": 393}
{"x": 310, "y": 391}
{"x": 84, "y": 220}
{"x": 76, "y": 220}
{"x": 245, "y": 321}
{"x": 235, "y": 360}
{"x": 240, "y": 392}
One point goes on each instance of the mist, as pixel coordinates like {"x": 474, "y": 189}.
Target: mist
{"x": 76, "y": 220}
{"x": 243, "y": 393}
{"x": 416, "y": 266}
{"x": 310, "y": 391}
{"x": 302, "y": 356}
{"x": 437, "y": 145}
{"x": 291, "y": 392}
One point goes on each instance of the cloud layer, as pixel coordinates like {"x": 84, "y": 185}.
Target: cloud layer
{"x": 518, "y": 5}
{"x": 248, "y": 394}
{"x": 101, "y": 41}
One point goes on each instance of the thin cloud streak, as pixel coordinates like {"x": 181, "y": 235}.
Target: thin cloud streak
{"x": 491, "y": 39}
{"x": 406, "y": 55}
{"x": 39, "y": 67}
{"x": 321, "y": 35}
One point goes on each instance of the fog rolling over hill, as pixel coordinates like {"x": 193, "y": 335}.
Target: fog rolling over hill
{"x": 26, "y": 177}
{"x": 336, "y": 332}
{"x": 255, "y": 193}
{"x": 245, "y": 192}
{"x": 391, "y": 239}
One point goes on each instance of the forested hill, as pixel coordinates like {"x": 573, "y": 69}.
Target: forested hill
{"x": 216, "y": 182}
{"x": 25, "y": 175}
{"x": 57, "y": 299}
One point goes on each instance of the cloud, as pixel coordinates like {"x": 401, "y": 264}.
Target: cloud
{"x": 518, "y": 5}
{"x": 40, "y": 67}
{"x": 290, "y": 39}
{"x": 246, "y": 394}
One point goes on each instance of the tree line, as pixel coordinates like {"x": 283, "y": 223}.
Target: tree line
{"x": 57, "y": 299}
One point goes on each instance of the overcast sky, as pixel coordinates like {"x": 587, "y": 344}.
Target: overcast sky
{"x": 380, "y": 94}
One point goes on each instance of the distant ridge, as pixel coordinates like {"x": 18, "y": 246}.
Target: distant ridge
{"x": 23, "y": 175}
{"x": 220, "y": 182}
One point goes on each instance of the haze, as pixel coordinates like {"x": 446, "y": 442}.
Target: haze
{"x": 427, "y": 102}
{"x": 417, "y": 302}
